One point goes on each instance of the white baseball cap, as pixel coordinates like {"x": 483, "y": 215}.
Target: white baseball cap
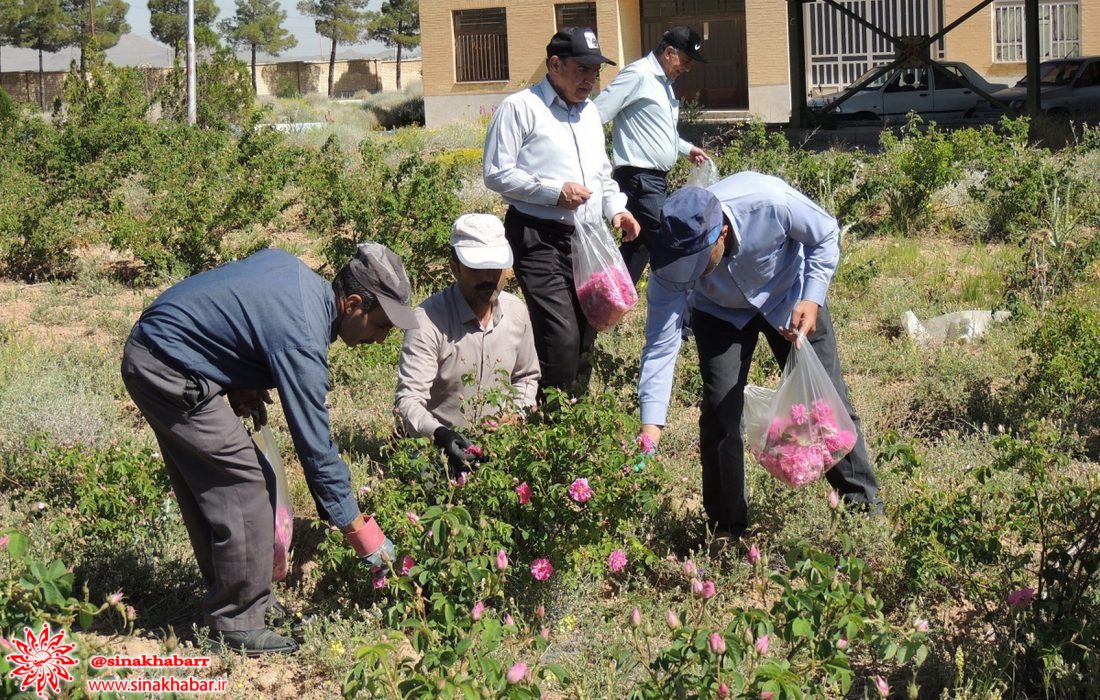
{"x": 479, "y": 242}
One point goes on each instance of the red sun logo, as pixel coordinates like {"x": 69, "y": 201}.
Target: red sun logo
{"x": 41, "y": 661}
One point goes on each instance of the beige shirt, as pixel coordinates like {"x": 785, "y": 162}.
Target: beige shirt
{"x": 450, "y": 344}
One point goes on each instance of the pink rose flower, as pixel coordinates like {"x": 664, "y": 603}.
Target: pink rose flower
{"x": 834, "y": 500}
{"x": 541, "y": 569}
{"x": 842, "y": 644}
{"x": 635, "y": 617}
{"x": 115, "y": 598}
{"x": 502, "y": 560}
{"x": 477, "y": 611}
{"x": 762, "y": 645}
{"x": 645, "y": 444}
{"x": 413, "y": 517}
{"x": 474, "y": 451}
{"x": 689, "y": 567}
{"x": 881, "y": 686}
{"x": 672, "y": 620}
{"x": 723, "y": 690}
{"x": 524, "y": 493}
{"x": 709, "y": 590}
{"x": 407, "y": 564}
{"x": 580, "y": 491}
{"x": 921, "y": 625}
{"x": 1021, "y": 597}
{"x": 517, "y": 673}
{"x": 754, "y": 555}
{"x": 799, "y": 414}
{"x": 696, "y": 587}
{"x": 616, "y": 561}
{"x": 717, "y": 643}
{"x": 379, "y": 582}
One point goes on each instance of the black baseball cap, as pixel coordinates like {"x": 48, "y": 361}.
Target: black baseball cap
{"x": 687, "y": 40}
{"x": 579, "y": 43}
{"x": 381, "y": 273}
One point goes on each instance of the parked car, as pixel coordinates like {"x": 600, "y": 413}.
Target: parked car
{"x": 1068, "y": 87}
{"x": 902, "y": 90}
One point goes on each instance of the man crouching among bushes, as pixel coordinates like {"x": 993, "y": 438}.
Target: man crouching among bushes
{"x": 240, "y": 330}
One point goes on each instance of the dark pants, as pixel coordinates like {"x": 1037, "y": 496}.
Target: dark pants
{"x": 725, "y": 354}
{"x": 645, "y": 192}
{"x": 543, "y": 262}
{"x": 220, "y": 486}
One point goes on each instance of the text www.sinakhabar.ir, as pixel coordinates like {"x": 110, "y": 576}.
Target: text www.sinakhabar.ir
{"x": 164, "y": 684}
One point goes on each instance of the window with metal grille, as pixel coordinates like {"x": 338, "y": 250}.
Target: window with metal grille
{"x": 576, "y": 14}
{"x": 481, "y": 45}
{"x": 1059, "y": 30}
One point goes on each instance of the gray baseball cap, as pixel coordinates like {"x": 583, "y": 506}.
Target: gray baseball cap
{"x": 381, "y": 273}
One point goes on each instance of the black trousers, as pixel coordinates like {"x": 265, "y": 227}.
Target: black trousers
{"x": 725, "y": 354}
{"x": 543, "y": 261}
{"x": 645, "y": 192}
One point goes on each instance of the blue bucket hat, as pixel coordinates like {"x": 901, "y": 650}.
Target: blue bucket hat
{"x": 691, "y": 221}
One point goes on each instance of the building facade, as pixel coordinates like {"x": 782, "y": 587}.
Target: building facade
{"x": 476, "y": 52}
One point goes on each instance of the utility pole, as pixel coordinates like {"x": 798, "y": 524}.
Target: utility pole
{"x": 191, "y": 110}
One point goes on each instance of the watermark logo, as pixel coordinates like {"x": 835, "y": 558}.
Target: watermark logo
{"x": 41, "y": 661}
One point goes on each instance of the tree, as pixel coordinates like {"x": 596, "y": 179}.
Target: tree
{"x": 397, "y": 25}
{"x": 258, "y": 23}
{"x": 96, "y": 24}
{"x": 339, "y": 20}
{"x": 168, "y": 21}
{"x": 42, "y": 25}
{"x": 9, "y": 14}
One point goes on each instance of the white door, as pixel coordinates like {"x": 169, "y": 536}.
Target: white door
{"x": 907, "y": 91}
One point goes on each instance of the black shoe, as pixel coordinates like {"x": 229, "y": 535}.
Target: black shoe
{"x": 252, "y": 642}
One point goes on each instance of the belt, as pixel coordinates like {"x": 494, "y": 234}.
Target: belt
{"x": 534, "y": 222}
{"x": 632, "y": 170}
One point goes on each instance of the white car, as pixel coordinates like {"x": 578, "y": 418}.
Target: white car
{"x": 1067, "y": 87}
{"x": 899, "y": 91}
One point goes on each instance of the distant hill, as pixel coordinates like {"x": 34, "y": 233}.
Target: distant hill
{"x": 133, "y": 50}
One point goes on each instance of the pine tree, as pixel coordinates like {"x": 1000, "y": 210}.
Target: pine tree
{"x": 259, "y": 24}
{"x": 168, "y": 21}
{"x": 396, "y": 25}
{"x": 342, "y": 21}
{"x": 9, "y": 13}
{"x": 41, "y": 25}
{"x": 96, "y": 24}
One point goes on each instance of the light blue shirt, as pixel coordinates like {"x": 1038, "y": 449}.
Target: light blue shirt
{"x": 787, "y": 249}
{"x": 537, "y": 142}
{"x": 645, "y": 110}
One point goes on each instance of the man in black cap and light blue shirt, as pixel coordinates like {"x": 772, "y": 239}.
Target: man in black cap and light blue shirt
{"x": 749, "y": 255}
{"x": 470, "y": 329}
{"x": 545, "y": 154}
{"x": 642, "y": 105}
{"x": 239, "y": 330}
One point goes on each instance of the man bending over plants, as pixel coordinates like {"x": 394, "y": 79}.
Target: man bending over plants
{"x": 238, "y": 331}
{"x": 750, "y": 255}
{"x": 470, "y": 329}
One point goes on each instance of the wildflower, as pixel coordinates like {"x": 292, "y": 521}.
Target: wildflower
{"x": 842, "y": 644}
{"x": 517, "y": 673}
{"x": 689, "y": 567}
{"x": 413, "y": 517}
{"x": 717, "y": 643}
{"x": 921, "y": 625}
{"x": 645, "y": 444}
{"x": 709, "y": 590}
{"x": 131, "y": 614}
{"x": 1021, "y": 597}
{"x": 545, "y": 633}
{"x": 881, "y": 686}
{"x": 672, "y": 620}
{"x": 616, "y": 561}
{"x": 696, "y": 587}
{"x": 541, "y": 569}
{"x": 502, "y": 560}
{"x": 509, "y": 620}
{"x": 524, "y": 493}
{"x": 115, "y": 598}
{"x": 379, "y": 582}
{"x": 477, "y": 611}
{"x": 723, "y": 690}
{"x": 635, "y": 618}
{"x": 407, "y": 564}
{"x": 762, "y": 644}
{"x": 754, "y": 554}
{"x": 834, "y": 500}
{"x": 580, "y": 491}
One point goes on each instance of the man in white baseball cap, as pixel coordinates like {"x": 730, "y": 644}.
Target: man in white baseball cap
{"x": 471, "y": 328}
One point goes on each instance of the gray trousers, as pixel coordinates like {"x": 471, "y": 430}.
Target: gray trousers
{"x": 220, "y": 486}
{"x": 725, "y": 354}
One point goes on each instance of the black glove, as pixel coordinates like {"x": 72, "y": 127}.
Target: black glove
{"x": 454, "y": 447}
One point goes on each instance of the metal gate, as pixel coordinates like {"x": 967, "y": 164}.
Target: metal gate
{"x": 839, "y": 49}
{"x": 723, "y": 81}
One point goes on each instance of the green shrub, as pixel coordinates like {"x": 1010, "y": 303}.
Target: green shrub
{"x": 223, "y": 84}
{"x": 910, "y": 169}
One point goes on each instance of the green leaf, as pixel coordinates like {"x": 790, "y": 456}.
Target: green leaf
{"x": 559, "y": 672}
{"x": 801, "y": 628}
{"x": 18, "y": 544}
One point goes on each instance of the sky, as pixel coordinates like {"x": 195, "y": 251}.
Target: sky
{"x": 310, "y": 44}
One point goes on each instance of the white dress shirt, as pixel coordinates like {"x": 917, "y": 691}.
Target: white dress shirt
{"x": 537, "y": 142}
{"x": 644, "y": 107}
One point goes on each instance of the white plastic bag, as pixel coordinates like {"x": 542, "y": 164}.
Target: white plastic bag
{"x": 703, "y": 175}
{"x": 284, "y": 515}
{"x": 800, "y": 430}
{"x": 603, "y": 283}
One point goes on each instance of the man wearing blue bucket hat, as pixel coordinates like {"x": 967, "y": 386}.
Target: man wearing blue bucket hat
{"x": 749, "y": 255}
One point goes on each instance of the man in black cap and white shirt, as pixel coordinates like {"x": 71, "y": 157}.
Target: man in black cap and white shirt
{"x": 645, "y": 144}
{"x": 240, "y": 330}
{"x": 545, "y": 154}
{"x": 470, "y": 329}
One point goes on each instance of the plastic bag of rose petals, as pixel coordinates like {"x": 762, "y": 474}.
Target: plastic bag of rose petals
{"x": 603, "y": 283}
{"x": 800, "y": 430}
{"x": 703, "y": 175}
{"x": 284, "y": 515}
